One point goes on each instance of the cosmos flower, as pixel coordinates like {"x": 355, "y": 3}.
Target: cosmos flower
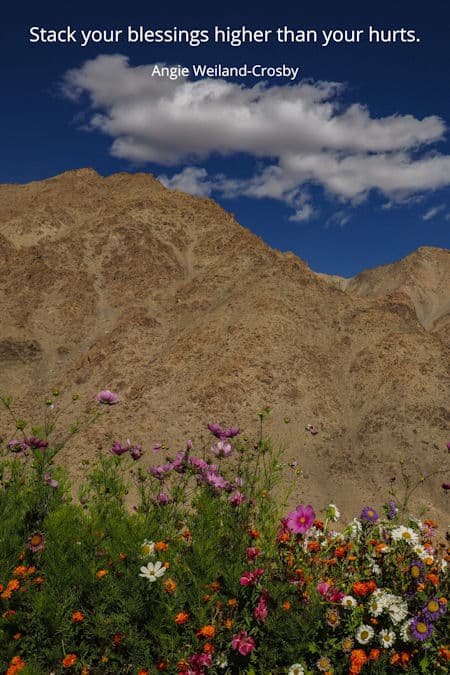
{"x": 152, "y": 571}
{"x": 19, "y": 447}
{"x": 107, "y": 397}
{"x": 51, "y": 482}
{"x": 162, "y": 499}
{"x": 220, "y": 432}
{"x": 36, "y": 443}
{"x": 300, "y": 520}
{"x": 148, "y": 547}
{"x": 237, "y": 498}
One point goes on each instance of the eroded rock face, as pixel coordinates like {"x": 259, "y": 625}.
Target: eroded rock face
{"x": 122, "y": 284}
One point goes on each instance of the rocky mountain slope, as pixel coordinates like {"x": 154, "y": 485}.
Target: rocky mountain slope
{"x": 163, "y": 297}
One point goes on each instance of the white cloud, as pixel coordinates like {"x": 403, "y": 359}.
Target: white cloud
{"x": 433, "y": 212}
{"x": 304, "y": 131}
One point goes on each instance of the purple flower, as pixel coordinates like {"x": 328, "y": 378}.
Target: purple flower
{"x": 222, "y": 448}
{"x": 215, "y": 480}
{"x": 51, "y": 482}
{"x": 156, "y": 447}
{"x": 421, "y": 628}
{"x": 119, "y": 449}
{"x": 446, "y": 486}
{"x": 237, "y": 499}
{"x": 368, "y": 515}
{"x": 17, "y": 446}
{"x": 136, "y": 452}
{"x": 416, "y": 570}
{"x": 391, "y": 510}
{"x": 162, "y": 499}
{"x": 433, "y": 609}
{"x": 222, "y": 433}
{"x": 198, "y": 463}
{"x": 300, "y": 520}
{"x": 160, "y": 471}
{"x": 36, "y": 443}
{"x": 107, "y": 397}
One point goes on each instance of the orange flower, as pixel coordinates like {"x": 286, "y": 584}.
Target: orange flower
{"x": 400, "y": 659}
{"x": 286, "y": 605}
{"x": 444, "y": 653}
{"x": 363, "y": 588}
{"x": 13, "y": 585}
{"x": 374, "y": 654}
{"x": 167, "y": 565}
{"x": 318, "y": 524}
{"x": 254, "y": 533}
{"x": 17, "y": 636}
{"x": 170, "y": 586}
{"x": 183, "y": 664}
{"x": 69, "y": 660}
{"x": 104, "y": 659}
{"x": 206, "y": 597}
{"x": 143, "y": 671}
{"x": 181, "y": 618}
{"x": 20, "y": 571}
{"x": 15, "y": 665}
{"x": 31, "y": 570}
{"x": 284, "y": 537}
{"x": 228, "y": 623}
{"x": 206, "y": 631}
{"x": 340, "y": 552}
{"x": 215, "y": 586}
{"x": 161, "y": 665}
{"x": 122, "y": 556}
{"x": 358, "y": 658}
{"x": 161, "y": 546}
{"x": 117, "y": 639}
{"x": 38, "y": 580}
{"x": 85, "y": 671}
{"x": 208, "y": 648}
{"x": 313, "y": 546}
{"x": 101, "y": 573}
{"x": 433, "y": 578}
{"x": 77, "y": 617}
{"x": 232, "y": 602}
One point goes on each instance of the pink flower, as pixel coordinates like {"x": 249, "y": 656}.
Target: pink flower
{"x": 300, "y": 520}
{"x": 253, "y": 553}
{"x": 221, "y": 433}
{"x": 329, "y": 592}
{"x": 222, "y": 448}
{"x": 250, "y": 578}
{"x": 261, "y": 612}
{"x": 237, "y": 499}
{"x": 243, "y": 643}
{"x": 107, "y": 397}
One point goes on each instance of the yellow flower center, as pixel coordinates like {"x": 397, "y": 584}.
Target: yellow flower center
{"x": 36, "y": 539}
{"x": 433, "y": 606}
{"x": 421, "y": 627}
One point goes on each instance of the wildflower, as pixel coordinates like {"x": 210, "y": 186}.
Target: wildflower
{"x": 348, "y": 601}
{"x": 364, "y": 634}
{"x": 15, "y": 665}
{"x": 19, "y": 571}
{"x": 222, "y": 448}
{"x": 374, "y": 654}
{"x": 170, "y": 586}
{"x": 358, "y": 658}
{"x": 148, "y": 547}
{"x": 286, "y": 605}
{"x": 386, "y": 637}
{"x": 347, "y": 644}
{"x": 403, "y": 533}
{"x": 143, "y": 671}
{"x": 117, "y": 639}
{"x": 162, "y": 499}
{"x": 254, "y": 533}
{"x": 261, "y": 612}
{"x": 69, "y": 660}
{"x": 296, "y": 669}
{"x": 391, "y": 510}
{"x": 161, "y": 666}
{"x": 332, "y": 513}
{"x": 152, "y": 571}
{"x": 368, "y": 515}
{"x": 51, "y": 482}
{"x": 19, "y": 447}
{"x": 208, "y": 648}
{"x": 375, "y": 606}
{"x": 17, "y": 636}
{"x": 232, "y": 602}
{"x": 300, "y": 520}
{"x": 207, "y": 631}
{"x": 101, "y": 573}
{"x": 444, "y": 653}
{"x": 421, "y": 629}
{"x": 405, "y": 631}
{"x": 253, "y": 553}
{"x": 400, "y": 659}
{"x": 107, "y": 397}
{"x": 323, "y": 664}
{"x": 445, "y": 486}
{"x": 161, "y": 546}
{"x": 243, "y": 643}
{"x": 36, "y": 542}
{"x": 332, "y": 617}
{"x": 416, "y": 570}
{"x": 78, "y": 617}
{"x": 36, "y": 443}
{"x": 181, "y": 618}
{"x": 237, "y": 499}
{"x": 329, "y": 592}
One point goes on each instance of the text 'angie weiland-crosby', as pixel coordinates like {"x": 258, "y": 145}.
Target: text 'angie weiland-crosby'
{"x": 234, "y": 37}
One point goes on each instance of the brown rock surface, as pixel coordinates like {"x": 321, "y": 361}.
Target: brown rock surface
{"x": 163, "y": 297}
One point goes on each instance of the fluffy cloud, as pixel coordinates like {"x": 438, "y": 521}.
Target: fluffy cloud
{"x": 302, "y": 132}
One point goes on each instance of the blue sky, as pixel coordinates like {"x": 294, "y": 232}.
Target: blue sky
{"x": 348, "y": 166}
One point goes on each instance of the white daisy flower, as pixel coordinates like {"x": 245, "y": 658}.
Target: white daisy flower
{"x": 348, "y": 601}
{"x": 296, "y": 669}
{"x": 152, "y": 571}
{"x": 364, "y": 634}
{"x": 148, "y": 548}
{"x": 375, "y": 606}
{"x": 407, "y": 534}
{"x": 221, "y": 662}
{"x": 387, "y": 637}
{"x": 376, "y": 569}
{"x": 405, "y": 631}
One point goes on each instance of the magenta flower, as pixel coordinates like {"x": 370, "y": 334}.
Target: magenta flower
{"x": 162, "y": 498}
{"x": 222, "y": 433}
{"x": 243, "y": 643}
{"x": 200, "y": 661}
{"x": 300, "y": 520}
{"x": 251, "y": 578}
{"x": 119, "y": 449}
{"x": 107, "y": 397}
{"x": 237, "y": 499}
{"x": 329, "y": 592}
{"x": 253, "y": 553}
{"x": 36, "y": 443}
{"x": 136, "y": 452}
{"x": 446, "y": 486}
{"x": 17, "y": 446}
{"x": 51, "y": 482}
{"x": 261, "y": 612}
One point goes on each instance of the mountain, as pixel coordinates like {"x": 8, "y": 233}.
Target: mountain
{"x": 120, "y": 283}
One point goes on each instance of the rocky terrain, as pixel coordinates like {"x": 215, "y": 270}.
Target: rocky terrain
{"x": 120, "y": 283}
